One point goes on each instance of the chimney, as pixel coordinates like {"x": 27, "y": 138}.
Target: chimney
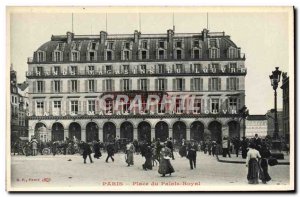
{"x": 170, "y": 33}
{"x": 103, "y": 36}
{"x": 70, "y": 37}
{"x": 136, "y": 36}
{"x": 204, "y": 33}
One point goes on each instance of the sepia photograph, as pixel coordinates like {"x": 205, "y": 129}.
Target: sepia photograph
{"x": 150, "y": 99}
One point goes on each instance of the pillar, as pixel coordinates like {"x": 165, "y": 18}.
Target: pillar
{"x": 100, "y": 134}
{"x": 66, "y": 133}
{"x": 188, "y": 134}
{"x": 152, "y": 133}
{"x": 225, "y": 130}
{"x": 83, "y": 135}
{"x": 117, "y": 132}
{"x": 135, "y": 134}
{"x": 171, "y": 132}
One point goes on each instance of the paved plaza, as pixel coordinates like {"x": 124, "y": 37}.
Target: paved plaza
{"x": 69, "y": 171}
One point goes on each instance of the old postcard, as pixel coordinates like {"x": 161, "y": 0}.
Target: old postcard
{"x": 150, "y": 99}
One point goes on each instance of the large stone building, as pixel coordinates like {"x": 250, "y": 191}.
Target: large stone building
{"x": 72, "y": 77}
{"x": 256, "y": 124}
{"x": 285, "y": 106}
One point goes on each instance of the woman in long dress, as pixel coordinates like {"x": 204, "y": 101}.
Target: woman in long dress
{"x": 129, "y": 153}
{"x": 165, "y": 166}
{"x": 96, "y": 147}
{"x": 252, "y": 164}
{"x": 265, "y": 154}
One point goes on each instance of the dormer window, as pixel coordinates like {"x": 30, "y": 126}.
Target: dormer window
{"x": 127, "y": 45}
{"x": 161, "y": 54}
{"x": 76, "y": 46}
{"x": 196, "y": 53}
{"x": 144, "y": 55}
{"x": 178, "y": 44}
{"x": 60, "y": 46}
{"x": 196, "y": 43}
{"x": 109, "y": 55}
{"x": 57, "y": 56}
{"x": 74, "y": 56}
{"x": 214, "y": 53}
{"x": 93, "y": 45}
{"x": 144, "y": 44}
{"x": 110, "y": 45}
{"x": 178, "y": 54}
{"x": 41, "y": 56}
{"x": 161, "y": 44}
{"x": 232, "y": 53}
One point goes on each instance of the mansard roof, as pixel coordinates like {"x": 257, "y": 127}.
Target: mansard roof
{"x": 84, "y": 41}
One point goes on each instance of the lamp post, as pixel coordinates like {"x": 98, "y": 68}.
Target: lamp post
{"x": 244, "y": 113}
{"x": 275, "y": 79}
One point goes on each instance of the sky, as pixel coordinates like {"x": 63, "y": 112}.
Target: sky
{"x": 263, "y": 35}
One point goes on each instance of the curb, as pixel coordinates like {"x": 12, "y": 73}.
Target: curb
{"x": 243, "y": 162}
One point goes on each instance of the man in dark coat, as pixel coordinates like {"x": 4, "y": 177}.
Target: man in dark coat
{"x": 237, "y": 145}
{"x": 244, "y": 145}
{"x": 96, "y": 148}
{"x": 158, "y": 149}
{"x": 87, "y": 152}
{"x": 148, "y": 157}
{"x": 192, "y": 155}
{"x": 110, "y": 152}
{"x": 257, "y": 142}
{"x": 170, "y": 146}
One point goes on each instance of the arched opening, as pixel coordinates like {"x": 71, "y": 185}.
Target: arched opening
{"x": 75, "y": 131}
{"x": 144, "y": 131}
{"x": 40, "y": 132}
{"x": 179, "y": 131}
{"x": 161, "y": 131}
{"x": 57, "y": 132}
{"x": 215, "y": 129}
{"x": 126, "y": 131}
{"x": 109, "y": 132}
{"x": 234, "y": 129}
{"x": 92, "y": 132}
{"x": 197, "y": 131}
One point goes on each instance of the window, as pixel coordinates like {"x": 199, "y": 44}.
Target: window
{"x": 161, "y": 84}
{"x": 91, "y": 106}
{"x": 40, "y": 107}
{"x": 178, "y": 54}
{"x": 74, "y": 86}
{"x": 144, "y": 84}
{"x": 75, "y": 56}
{"x": 74, "y": 107}
{"x": 215, "y": 105}
{"x": 40, "y": 56}
{"x": 39, "y": 70}
{"x": 214, "y": 84}
{"x": 57, "y": 104}
{"x": 197, "y": 84}
{"x": 127, "y": 45}
{"x": 125, "y": 84}
{"x": 213, "y": 43}
{"x": 144, "y": 55}
{"x": 197, "y": 106}
{"x": 161, "y": 54}
{"x": 93, "y": 56}
{"x": 109, "y": 85}
{"x": 56, "y": 70}
{"x": 108, "y": 55}
{"x": 143, "y": 69}
{"x": 93, "y": 45}
{"x": 91, "y": 85}
{"x": 197, "y": 68}
{"x": 56, "y": 107}
{"x": 161, "y": 44}
{"x": 144, "y": 44}
{"x": 232, "y": 53}
{"x": 40, "y": 86}
{"x": 60, "y": 46}
{"x": 91, "y": 69}
{"x": 232, "y": 104}
{"x": 126, "y": 69}
{"x": 196, "y": 54}
{"x": 161, "y": 68}
{"x": 126, "y": 55}
{"x": 178, "y": 44}
{"x": 178, "y": 68}
{"x": 110, "y": 45}
{"x": 108, "y": 69}
{"x": 179, "y": 84}
{"x": 196, "y": 43}
{"x": 73, "y": 70}
{"x": 109, "y": 105}
{"x": 232, "y": 83}
{"x": 214, "y": 53}
{"x": 57, "y": 56}
{"x": 56, "y": 86}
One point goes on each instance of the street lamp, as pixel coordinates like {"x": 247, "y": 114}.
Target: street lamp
{"x": 275, "y": 79}
{"x": 244, "y": 113}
